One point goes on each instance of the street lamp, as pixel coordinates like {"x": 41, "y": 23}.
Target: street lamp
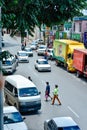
{"x": 1, "y": 82}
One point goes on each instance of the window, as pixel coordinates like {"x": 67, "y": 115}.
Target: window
{"x": 80, "y": 25}
{"x": 74, "y": 27}
{"x": 9, "y": 86}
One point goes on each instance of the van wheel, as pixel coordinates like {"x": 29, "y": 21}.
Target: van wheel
{"x": 6, "y": 100}
{"x": 15, "y": 105}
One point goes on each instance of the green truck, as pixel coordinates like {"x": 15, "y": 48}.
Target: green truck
{"x": 63, "y": 52}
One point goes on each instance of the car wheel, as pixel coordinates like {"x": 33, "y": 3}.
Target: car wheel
{"x": 6, "y": 100}
{"x": 78, "y": 74}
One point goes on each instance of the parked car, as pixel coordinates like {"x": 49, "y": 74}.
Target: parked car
{"x": 33, "y": 45}
{"x": 9, "y": 62}
{"x": 13, "y": 119}
{"x": 29, "y": 51}
{"x": 61, "y": 123}
{"x": 39, "y": 41}
{"x": 22, "y": 56}
{"x": 42, "y": 65}
{"x": 9, "y": 65}
{"x": 50, "y": 53}
{"x": 41, "y": 50}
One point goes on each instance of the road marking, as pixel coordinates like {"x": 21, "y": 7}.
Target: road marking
{"x": 73, "y": 111}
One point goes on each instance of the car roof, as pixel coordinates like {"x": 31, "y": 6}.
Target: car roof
{"x": 22, "y": 52}
{"x": 19, "y": 81}
{"x": 9, "y": 109}
{"x": 64, "y": 121}
{"x": 42, "y": 59}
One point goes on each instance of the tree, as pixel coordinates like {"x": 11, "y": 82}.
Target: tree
{"x": 52, "y": 12}
{"x": 20, "y": 15}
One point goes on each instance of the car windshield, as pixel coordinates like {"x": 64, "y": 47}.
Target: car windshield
{"x": 28, "y": 50}
{"x": 43, "y": 62}
{"x": 72, "y": 128}
{"x": 14, "y": 117}
{"x": 28, "y": 92}
{"x": 42, "y": 47}
{"x": 22, "y": 54}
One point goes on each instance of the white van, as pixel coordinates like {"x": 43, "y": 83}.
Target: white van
{"x": 22, "y": 93}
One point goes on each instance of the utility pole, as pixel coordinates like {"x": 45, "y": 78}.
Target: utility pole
{"x": 1, "y": 81}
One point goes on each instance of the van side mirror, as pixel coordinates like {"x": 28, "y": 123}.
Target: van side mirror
{"x": 16, "y": 95}
{"x": 39, "y": 92}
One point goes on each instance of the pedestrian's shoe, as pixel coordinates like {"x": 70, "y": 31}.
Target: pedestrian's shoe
{"x": 60, "y": 104}
{"x": 52, "y": 104}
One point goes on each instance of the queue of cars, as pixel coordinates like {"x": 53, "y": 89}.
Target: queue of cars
{"x": 23, "y": 94}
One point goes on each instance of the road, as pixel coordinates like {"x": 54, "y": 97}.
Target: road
{"x": 72, "y": 93}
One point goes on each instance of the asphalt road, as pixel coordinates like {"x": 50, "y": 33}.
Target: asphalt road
{"x": 72, "y": 93}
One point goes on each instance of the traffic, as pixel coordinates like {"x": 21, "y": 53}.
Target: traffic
{"x": 47, "y": 111}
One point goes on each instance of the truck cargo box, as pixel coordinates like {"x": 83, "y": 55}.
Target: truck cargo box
{"x": 63, "y": 52}
{"x": 80, "y": 61}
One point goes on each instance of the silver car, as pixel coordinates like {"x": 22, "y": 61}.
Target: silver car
{"x": 29, "y": 51}
{"x": 42, "y": 65}
{"x": 60, "y": 123}
{"x": 41, "y": 50}
{"x": 22, "y": 56}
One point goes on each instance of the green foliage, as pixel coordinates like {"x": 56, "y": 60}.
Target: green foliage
{"x": 26, "y": 14}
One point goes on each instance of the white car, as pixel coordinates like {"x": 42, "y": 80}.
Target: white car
{"x": 41, "y": 50}
{"x": 33, "y": 45}
{"x": 13, "y": 119}
{"x": 42, "y": 65}
{"x": 22, "y": 56}
{"x": 29, "y": 51}
{"x": 50, "y": 53}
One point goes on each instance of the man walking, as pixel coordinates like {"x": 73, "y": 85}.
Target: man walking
{"x": 47, "y": 91}
{"x": 55, "y": 95}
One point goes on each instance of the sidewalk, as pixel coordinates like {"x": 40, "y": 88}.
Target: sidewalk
{"x": 7, "y": 38}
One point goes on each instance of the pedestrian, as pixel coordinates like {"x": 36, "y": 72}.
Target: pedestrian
{"x": 29, "y": 78}
{"x": 47, "y": 91}
{"x": 55, "y": 95}
{"x": 45, "y": 55}
{"x": 22, "y": 47}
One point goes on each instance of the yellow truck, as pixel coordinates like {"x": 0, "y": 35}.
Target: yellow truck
{"x": 63, "y": 52}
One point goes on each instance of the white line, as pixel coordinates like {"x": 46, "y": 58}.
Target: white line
{"x": 73, "y": 112}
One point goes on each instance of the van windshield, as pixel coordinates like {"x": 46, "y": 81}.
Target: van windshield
{"x": 28, "y": 92}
